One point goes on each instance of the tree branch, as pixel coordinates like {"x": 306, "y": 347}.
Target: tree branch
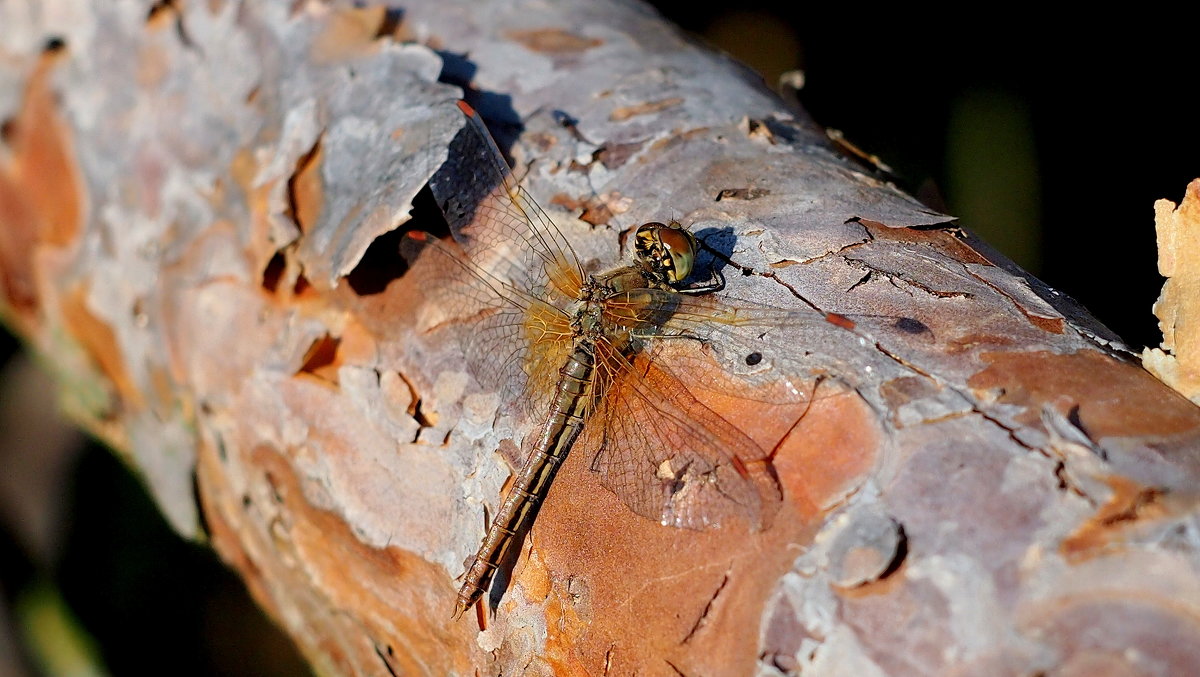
{"x": 199, "y": 209}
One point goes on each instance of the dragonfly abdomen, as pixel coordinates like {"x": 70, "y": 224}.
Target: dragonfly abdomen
{"x": 558, "y": 433}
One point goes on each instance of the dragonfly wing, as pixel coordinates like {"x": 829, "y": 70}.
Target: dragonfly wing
{"x": 513, "y": 274}
{"x": 515, "y": 352}
{"x": 501, "y": 228}
{"x": 668, "y": 456}
{"x": 762, "y": 353}
{"x": 511, "y": 339}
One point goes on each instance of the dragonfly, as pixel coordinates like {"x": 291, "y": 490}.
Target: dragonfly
{"x": 607, "y": 361}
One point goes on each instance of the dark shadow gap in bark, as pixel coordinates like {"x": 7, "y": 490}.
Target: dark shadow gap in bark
{"x": 382, "y": 262}
{"x": 273, "y": 273}
{"x": 304, "y": 189}
{"x": 321, "y": 359}
{"x": 900, "y": 554}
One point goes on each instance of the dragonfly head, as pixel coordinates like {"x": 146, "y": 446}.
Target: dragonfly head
{"x": 665, "y": 251}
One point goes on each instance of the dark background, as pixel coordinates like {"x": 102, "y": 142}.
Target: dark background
{"x": 1051, "y": 140}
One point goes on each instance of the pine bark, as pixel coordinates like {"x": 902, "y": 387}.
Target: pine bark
{"x": 200, "y": 209}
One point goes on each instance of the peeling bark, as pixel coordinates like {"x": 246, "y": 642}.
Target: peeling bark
{"x": 1176, "y": 362}
{"x": 200, "y": 210}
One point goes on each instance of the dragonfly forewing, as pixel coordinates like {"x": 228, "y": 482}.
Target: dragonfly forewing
{"x": 501, "y": 228}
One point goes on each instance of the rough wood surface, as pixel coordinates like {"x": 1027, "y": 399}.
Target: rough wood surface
{"x": 195, "y": 201}
{"x": 1177, "y": 360}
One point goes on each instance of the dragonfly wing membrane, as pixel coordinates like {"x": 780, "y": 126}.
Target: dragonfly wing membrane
{"x": 510, "y": 339}
{"x": 517, "y": 274}
{"x": 753, "y": 346}
{"x": 668, "y": 456}
{"x": 501, "y": 228}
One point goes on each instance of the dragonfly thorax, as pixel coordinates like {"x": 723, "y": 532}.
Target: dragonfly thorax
{"x": 588, "y": 313}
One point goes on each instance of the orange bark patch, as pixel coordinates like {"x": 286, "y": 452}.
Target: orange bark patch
{"x": 828, "y": 454}
{"x": 394, "y": 308}
{"x": 321, "y": 361}
{"x": 18, "y": 239}
{"x": 161, "y": 16}
{"x": 594, "y": 209}
{"x": 553, "y": 41}
{"x": 306, "y": 190}
{"x": 1115, "y": 399}
{"x": 1053, "y": 325}
{"x": 327, "y": 354}
{"x": 625, "y": 112}
{"x": 648, "y": 592}
{"x": 42, "y": 148}
{"x": 350, "y": 32}
{"x": 100, "y": 343}
{"x": 395, "y": 603}
{"x": 563, "y": 615}
{"x": 651, "y": 595}
{"x": 535, "y": 579}
{"x": 1130, "y": 502}
{"x": 566, "y": 201}
{"x": 261, "y": 249}
{"x": 974, "y": 340}
{"x": 164, "y": 393}
{"x": 614, "y": 155}
{"x": 358, "y": 345}
{"x": 41, "y": 192}
{"x": 941, "y": 239}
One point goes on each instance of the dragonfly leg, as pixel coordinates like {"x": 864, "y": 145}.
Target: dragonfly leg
{"x": 658, "y": 335}
{"x": 713, "y": 284}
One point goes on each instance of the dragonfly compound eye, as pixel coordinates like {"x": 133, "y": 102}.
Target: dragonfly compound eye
{"x": 668, "y": 251}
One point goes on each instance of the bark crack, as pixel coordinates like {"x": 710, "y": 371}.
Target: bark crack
{"x": 700, "y": 622}
{"x": 973, "y": 402}
{"x": 384, "y": 659}
{"x": 416, "y": 410}
{"x": 1050, "y": 324}
{"x": 901, "y": 281}
{"x": 679, "y": 672}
